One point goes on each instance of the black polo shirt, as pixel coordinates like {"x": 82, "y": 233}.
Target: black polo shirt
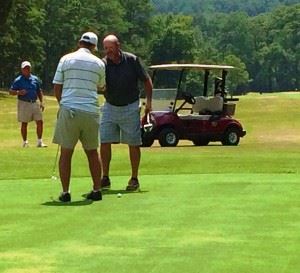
{"x": 122, "y": 79}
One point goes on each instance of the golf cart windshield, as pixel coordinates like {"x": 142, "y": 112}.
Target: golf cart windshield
{"x": 163, "y": 99}
{"x": 172, "y": 81}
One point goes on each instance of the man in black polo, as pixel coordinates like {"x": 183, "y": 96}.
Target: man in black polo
{"x": 27, "y": 87}
{"x": 120, "y": 120}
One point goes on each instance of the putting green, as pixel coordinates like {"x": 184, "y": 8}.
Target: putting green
{"x": 177, "y": 223}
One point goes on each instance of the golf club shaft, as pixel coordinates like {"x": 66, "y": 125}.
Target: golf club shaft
{"x": 55, "y": 162}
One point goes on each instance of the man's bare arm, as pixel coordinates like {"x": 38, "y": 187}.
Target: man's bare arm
{"x": 148, "y": 90}
{"x": 58, "y": 91}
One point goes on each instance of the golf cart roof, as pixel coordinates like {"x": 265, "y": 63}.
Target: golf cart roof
{"x": 190, "y": 66}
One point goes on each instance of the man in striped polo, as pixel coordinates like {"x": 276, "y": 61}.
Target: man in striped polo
{"x": 78, "y": 78}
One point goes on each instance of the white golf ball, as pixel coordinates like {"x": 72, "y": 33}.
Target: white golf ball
{"x": 119, "y": 195}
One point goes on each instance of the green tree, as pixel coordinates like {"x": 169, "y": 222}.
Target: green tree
{"x": 196, "y": 7}
{"x": 22, "y": 39}
{"x": 6, "y": 6}
{"x": 277, "y": 44}
{"x": 173, "y": 39}
{"x": 238, "y": 78}
{"x": 138, "y": 31}
{"x": 285, "y": 45}
{"x": 234, "y": 36}
{"x": 67, "y": 20}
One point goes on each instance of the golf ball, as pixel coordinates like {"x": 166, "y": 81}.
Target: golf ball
{"x": 119, "y": 195}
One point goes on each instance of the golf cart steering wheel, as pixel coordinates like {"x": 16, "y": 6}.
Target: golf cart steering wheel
{"x": 188, "y": 97}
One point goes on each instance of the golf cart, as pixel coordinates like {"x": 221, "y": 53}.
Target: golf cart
{"x": 183, "y": 111}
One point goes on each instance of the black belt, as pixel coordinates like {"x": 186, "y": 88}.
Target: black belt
{"x": 115, "y": 104}
{"x": 120, "y": 104}
{"x": 31, "y": 101}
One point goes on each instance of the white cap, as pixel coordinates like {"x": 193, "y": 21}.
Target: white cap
{"x": 90, "y": 37}
{"x": 25, "y": 63}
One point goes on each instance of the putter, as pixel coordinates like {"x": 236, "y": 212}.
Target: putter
{"x": 53, "y": 176}
{"x": 149, "y": 126}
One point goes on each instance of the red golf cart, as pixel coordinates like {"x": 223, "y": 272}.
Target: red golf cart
{"x": 202, "y": 116}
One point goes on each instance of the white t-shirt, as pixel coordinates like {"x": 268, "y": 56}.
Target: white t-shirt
{"x": 80, "y": 73}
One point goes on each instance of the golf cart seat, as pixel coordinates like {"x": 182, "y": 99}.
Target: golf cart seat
{"x": 204, "y": 105}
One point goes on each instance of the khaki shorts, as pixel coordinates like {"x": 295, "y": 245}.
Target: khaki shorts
{"x": 73, "y": 125}
{"x": 29, "y": 111}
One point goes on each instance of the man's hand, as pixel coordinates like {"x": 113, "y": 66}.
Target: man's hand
{"x": 42, "y": 106}
{"x": 148, "y": 108}
{"x": 101, "y": 89}
{"x": 21, "y": 92}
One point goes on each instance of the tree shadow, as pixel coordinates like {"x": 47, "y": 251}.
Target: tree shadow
{"x": 3, "y": 95}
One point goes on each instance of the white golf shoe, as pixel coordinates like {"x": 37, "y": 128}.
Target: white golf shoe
{"x": 41, "y": 145}
{"x": 25, "y": 144}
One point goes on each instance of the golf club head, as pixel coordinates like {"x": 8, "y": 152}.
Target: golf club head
{"x": 148, "y": 127}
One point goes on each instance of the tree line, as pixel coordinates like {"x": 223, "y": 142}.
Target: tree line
{"x": 264, "y": 48}
{"x": 251, "y": 7}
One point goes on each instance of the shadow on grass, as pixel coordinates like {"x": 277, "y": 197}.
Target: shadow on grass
{"x": 3, "y": 94}
{"x": 85, "y": 202}
{"x": 185, "y": 146}
{"x": 56, "y": 203}
{"x": 123, "y": 192}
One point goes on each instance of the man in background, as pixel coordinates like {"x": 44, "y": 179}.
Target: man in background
{"x": 78, "y": 77}
{"x": 28, "y": 89}
{"x": 120, "y": 120}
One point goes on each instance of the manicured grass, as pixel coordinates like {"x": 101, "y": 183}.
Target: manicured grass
{"x": 201, "y": 209}
{"x": 178, "y": 223}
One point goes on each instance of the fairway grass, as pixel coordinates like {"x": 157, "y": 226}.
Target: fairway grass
{"x": 177, "y": 223}
{"x": 212, "y": 209}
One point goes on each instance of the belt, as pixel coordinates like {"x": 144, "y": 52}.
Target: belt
{"x": 120, "y": 104}
{"x": 125, "y": 104}
{"x": 31, "y": 101}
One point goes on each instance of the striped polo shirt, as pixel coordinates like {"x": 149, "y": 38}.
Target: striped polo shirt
{"x": 80, "y": 73}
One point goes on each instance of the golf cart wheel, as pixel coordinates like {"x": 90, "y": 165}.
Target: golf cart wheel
{"x": 201, "y": 142}
{"x": 147, "y": 141}
{"x": 168, "y": 137}
{"x": 231, "y": 137}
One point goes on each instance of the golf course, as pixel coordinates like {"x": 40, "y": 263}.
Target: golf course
{"x": 206, "y": 209}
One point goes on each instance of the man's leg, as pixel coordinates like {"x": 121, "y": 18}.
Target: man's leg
{"x": 65, "y": 167}
{"x": 135, "y": 157}
{"x": 39, "y": 133}
{"x": 105, "y": 154}
{"x": 39, "y": 129}
{"x": 95, "y": 167}
{"x": 24, "y": 130}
